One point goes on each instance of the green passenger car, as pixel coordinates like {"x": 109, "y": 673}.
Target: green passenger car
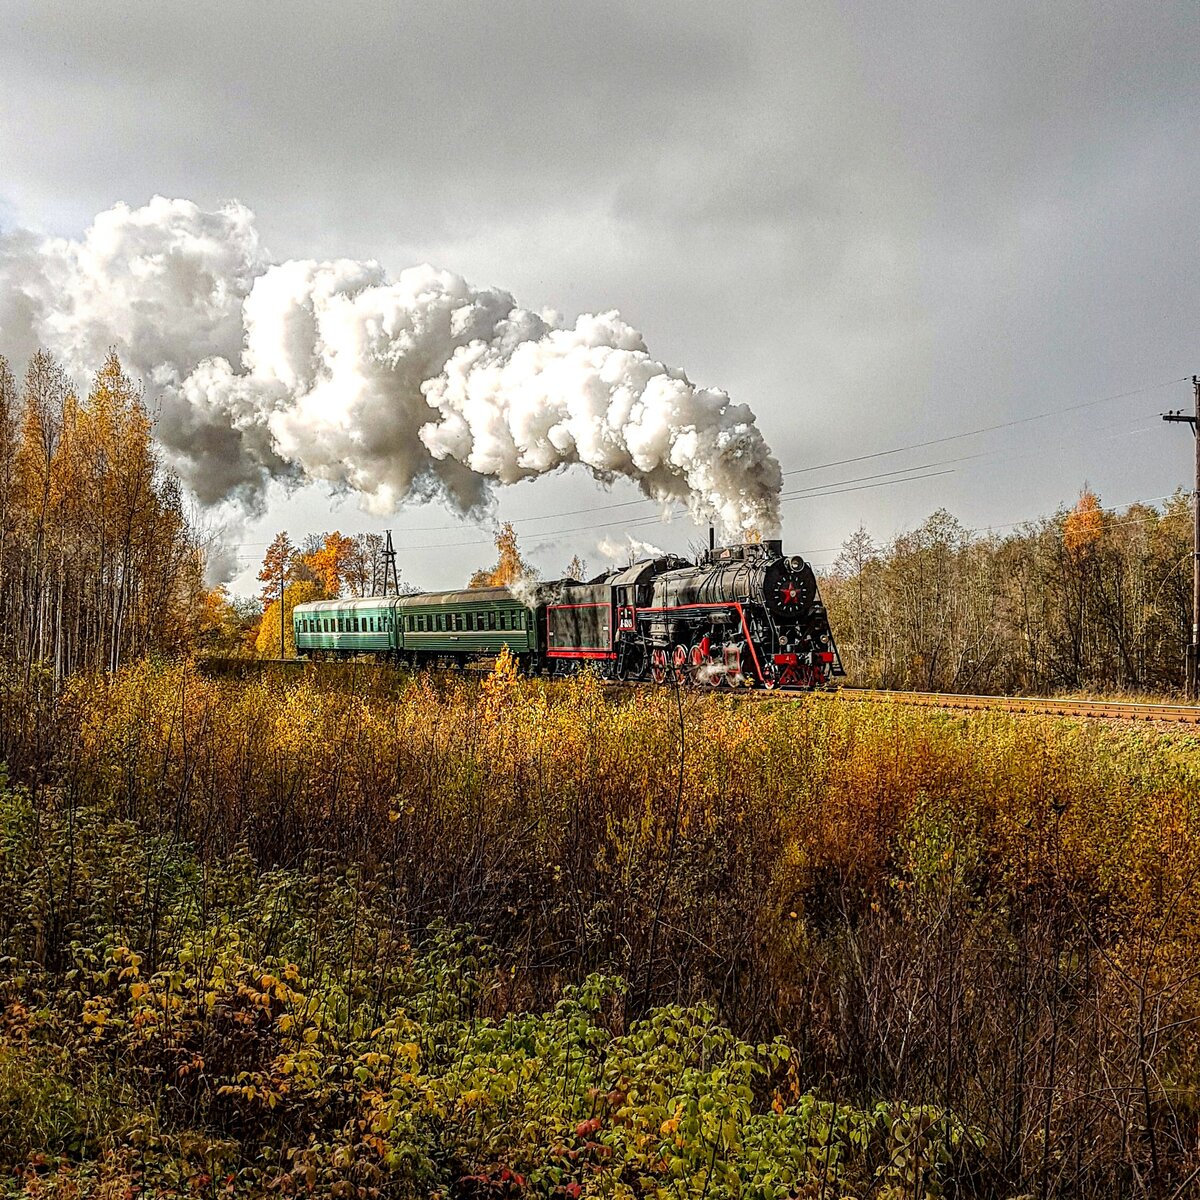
{"x": 456, "y": 625}
{"x": 464, "y": 624}
{"x": 333, "y": 628}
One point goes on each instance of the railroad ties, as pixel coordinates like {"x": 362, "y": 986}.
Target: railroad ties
{"x": 1113, "y": 710}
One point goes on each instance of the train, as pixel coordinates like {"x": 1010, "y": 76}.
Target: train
{"x": 742, "y": 615}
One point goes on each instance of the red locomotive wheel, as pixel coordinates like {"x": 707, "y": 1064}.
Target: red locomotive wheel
{"x": 679, "y": 663}
{"x": 659, "y": 666}
{"x": 698, "y": 666}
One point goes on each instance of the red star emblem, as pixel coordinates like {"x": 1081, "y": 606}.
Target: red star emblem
{"x": 789, "y": 594}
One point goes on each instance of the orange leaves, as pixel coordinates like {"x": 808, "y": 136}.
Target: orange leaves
{"x": 276, "y": 566}
{"x": 329, "y": 562}
{"x": 1084, "y": 524}
{"x": 510, "y": 567}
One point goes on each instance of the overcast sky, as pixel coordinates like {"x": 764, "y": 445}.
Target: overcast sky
{"x": 877, "y": 224}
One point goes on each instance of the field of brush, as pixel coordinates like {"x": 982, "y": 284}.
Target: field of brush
{"x": 357, "y": 934}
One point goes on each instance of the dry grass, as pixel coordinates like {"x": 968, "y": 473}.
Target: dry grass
{"x": 998, "y": 914}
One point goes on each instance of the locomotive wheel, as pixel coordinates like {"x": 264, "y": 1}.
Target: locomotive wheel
{"x": 699, "y": 665}
{"x": 659, "y": 666}
{"x": 726, "y": 673}
{"x": 679, "y": 664}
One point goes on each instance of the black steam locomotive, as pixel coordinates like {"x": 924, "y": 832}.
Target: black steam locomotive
{"x": 740, "y": 615}
{"x": 745, "y": 615}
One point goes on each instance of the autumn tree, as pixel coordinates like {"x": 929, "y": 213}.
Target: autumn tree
{"x": 576, "y": 569}
{"x": 1083, "y": 526}
{"x": 266, "y": 644}
{"x": 510, "y": 567}
{"x": 276, "y": 568}
{"x": 363, "y": 567}
{"x": 9, "y": 509}
{"x": 227, "y": 625}
{"x": 330, "y": 561}
{"x": 1086, "y": 598}
{"x": 98, "y": 561}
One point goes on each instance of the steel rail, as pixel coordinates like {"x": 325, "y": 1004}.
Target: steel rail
{"x": 1116, "y": 710}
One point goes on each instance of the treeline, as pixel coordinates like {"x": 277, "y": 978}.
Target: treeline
{"x": 1085, "y": 599}
{"x": 98, "y": 561}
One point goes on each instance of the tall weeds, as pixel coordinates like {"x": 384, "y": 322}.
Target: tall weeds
{"x": 996, "y": 915}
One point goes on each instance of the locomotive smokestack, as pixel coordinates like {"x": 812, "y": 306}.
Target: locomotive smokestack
{"x": 712, "y": 538}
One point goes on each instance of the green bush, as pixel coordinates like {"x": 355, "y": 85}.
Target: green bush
{"x": 273, "y": 1031}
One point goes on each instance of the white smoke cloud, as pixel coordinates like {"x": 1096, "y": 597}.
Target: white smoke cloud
{"x": 627, "y": 549}
{"x": 412, "y": 388}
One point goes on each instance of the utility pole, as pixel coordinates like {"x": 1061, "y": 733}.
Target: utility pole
{"x": 282, "y": 643}
{"x": 390, "y": 574}
{"x": 1193, "y": 651}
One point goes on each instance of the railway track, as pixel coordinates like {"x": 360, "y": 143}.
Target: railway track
{"x": 1113, "y": 710}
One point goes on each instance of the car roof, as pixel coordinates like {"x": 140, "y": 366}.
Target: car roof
{"x": 490, "y": 595}
{"x": 351, "y": 602}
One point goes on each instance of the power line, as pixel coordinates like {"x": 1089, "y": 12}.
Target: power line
{"x": 816, "y": 491}
{"x": 837, "y": 462}
{"x": 953, "y": 437}
{"x": 885, "y": 478}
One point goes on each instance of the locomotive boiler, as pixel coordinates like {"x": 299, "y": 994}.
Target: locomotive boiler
{"x": 739, "y": 614}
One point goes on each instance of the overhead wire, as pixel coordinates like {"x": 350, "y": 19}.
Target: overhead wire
{"x": 867, "y": 482}
{"x": 953, "y": 437}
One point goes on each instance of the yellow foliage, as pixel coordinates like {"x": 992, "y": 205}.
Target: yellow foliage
{"x": 510, "y": 567}
{"x": 502, "y": 679}
{"x": 266, "y": 644}
{"x": 330, "y": 561}
{"x": 1084, "y": 524}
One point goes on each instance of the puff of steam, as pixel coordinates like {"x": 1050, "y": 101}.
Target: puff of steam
{"x": 416, "y": 387}
{"x": 614, "y": 550}
{"x": 590, "y": 394}
{"x": 164, "y": 283}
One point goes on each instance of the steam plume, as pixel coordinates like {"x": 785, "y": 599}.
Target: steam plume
{"x": 417, "y": 387}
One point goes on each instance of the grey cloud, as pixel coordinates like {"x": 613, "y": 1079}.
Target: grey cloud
{"x": 873, "y": 222}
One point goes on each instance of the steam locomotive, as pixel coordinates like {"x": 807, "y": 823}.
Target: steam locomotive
{"x": 745, "y": 615}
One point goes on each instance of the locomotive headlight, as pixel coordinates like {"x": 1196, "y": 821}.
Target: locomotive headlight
{"x": 796, "y": 563}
